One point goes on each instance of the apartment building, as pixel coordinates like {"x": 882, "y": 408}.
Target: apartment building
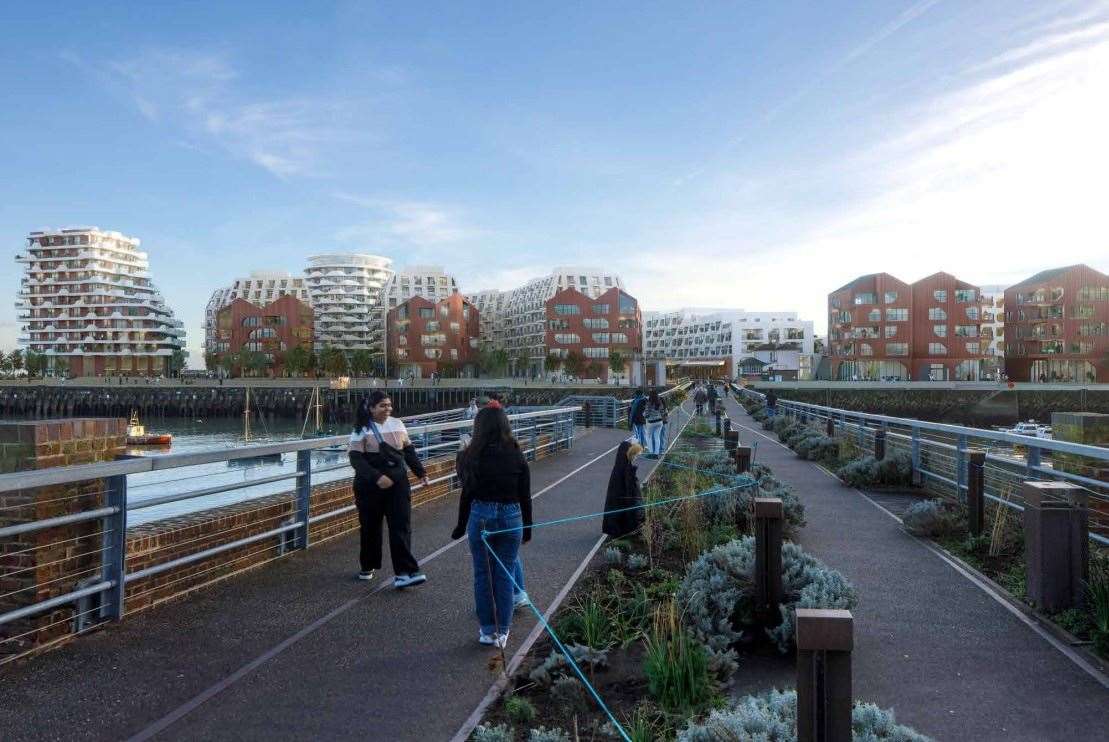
{"x": 272, "y": 330}
{"x": 993, "y": 329}
{"x": 519, "y": 320}
{"x": 880, "y": 327}
{"x": 426, "y": 337}
{"x": 490, "y": 304}
{"x": 430, "y": 282}
{"x": 260, "y": 289}
{"x": 1058, "y": 326}
{"x": 593, "y": 328}
{"x": 87, "y": 302}
{"x": 345, "y": 290}
{"x": 730, "y": 343}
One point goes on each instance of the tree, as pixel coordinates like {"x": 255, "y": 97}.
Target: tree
{"x": 61, "y": 367}
{"x": 574, "y": 363}
{"x": 15, "y": 358}
{"x": 361, "y": 362}
{"x": 211, "y": 361}
{"x": 35, "y": 363}
{"x": 617, "y": 362}
{"x": 333, "y": 361}
{"x": 448, "y": 369}
{"x": 552, "y": 363}
{"x": 228, "y": 362}
{"x": 593, "y": 369}
{"x": 176, "y": 362}
{"x": 523, "y": 362}
{"x": 252, "y": 361}
{"x": 297, "y": 360}
{"x": 492, "y": 361}
{"x": 5, "y": 363}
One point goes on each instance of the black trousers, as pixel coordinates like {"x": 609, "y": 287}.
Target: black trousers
{"x": 395, "y": 506}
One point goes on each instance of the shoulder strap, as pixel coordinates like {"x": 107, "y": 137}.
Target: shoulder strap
{"x": 377, "y": 433}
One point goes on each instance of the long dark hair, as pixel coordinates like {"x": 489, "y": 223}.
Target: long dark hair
{"x": 655, "y": 399}
{"x": 491, "y": 429}
{"x": 362, "y": 412}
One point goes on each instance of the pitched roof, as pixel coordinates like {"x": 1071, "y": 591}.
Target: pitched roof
{"x": 1049, "y": 274}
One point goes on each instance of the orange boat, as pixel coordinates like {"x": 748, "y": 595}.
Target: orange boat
{"x": 137, "y": 435}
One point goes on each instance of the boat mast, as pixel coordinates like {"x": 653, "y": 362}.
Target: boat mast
{"x": 246, "y": 416}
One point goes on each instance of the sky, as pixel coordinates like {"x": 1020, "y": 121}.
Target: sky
{"x": 731, "y": 154}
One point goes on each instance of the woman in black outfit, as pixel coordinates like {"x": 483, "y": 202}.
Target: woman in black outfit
{"x": 379, "y": 449}
{"x": 496, "y": 497}
{"x": 623, "y": 493}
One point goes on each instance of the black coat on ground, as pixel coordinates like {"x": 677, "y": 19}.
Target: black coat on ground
{"x": 623, "y": 492}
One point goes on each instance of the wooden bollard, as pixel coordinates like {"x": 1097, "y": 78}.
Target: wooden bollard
{"x": 731, "y": 440}
{"x": 1056, "y": 544}
{"x": 727, "y": 425}
{"x": 825, "y": 638}
{"x": 742, "y": 459}
{"x": 719, "y": 424}
{"x": 830, "y": 428}
{"x": 976, "y": 495}
{"x": 880, "y": 444}
{"x": 769, "y": 513}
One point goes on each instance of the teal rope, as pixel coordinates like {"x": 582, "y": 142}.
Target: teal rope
{"x": 558, "y": 642}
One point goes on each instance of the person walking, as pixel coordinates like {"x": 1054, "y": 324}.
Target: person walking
{"x": 655, "y": 418}
{"x": 379, "y": 451}
{"x": 496, "y": 502}
{"x": 623, "y": 513}
{"x": 637, "y": 420}
{"x": 699, "y": 398}
{"x": 771, "y": 403}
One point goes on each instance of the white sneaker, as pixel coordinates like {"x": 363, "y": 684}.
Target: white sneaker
{"x": 366, "y": 575}
{"x": 401, "y": 581}
{"x": 520, "y": 601}
{"x": 501, "y": 640}
{"x": 486, "y": 639}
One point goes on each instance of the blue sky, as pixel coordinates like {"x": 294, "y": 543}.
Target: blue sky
{"x": 743, "y": 154}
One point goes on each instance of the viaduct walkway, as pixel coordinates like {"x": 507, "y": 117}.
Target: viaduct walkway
{"x": 952, "y": 660}
{"x": 301, "y": 649}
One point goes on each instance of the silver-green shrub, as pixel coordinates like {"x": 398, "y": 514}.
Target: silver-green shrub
{"x": 556, "y": 666}
{"x": 930, "y": 518}
{"x": 542, "y": 734}
{"x": 487, "y": 733}
{"x": 614, "y": 557}
{"x": 637, "y": 562}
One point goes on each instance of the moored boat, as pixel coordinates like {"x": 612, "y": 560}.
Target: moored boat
{"x": 137, "y": 435}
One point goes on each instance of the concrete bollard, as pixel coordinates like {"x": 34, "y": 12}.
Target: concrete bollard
{"x": 1056, "y": 544}
{"x": 768, "y": 560}
{"x": 825, "y": 638}
{"x": 976, "y": 494}
{"x": 880, "y": 444}
{"x": 742, "y": 459}
{"x": 731, "y": 440}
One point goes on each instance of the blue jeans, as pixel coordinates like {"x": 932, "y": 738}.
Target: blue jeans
{"x": 493, "y": 588}
{"x": 640, "y": 434}
{"x": 654, "y": 437}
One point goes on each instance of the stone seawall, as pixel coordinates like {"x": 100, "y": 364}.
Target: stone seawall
{"x": 979, "y": 407}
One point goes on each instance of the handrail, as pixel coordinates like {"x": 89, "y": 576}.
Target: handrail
{"x": 81, "y": 472}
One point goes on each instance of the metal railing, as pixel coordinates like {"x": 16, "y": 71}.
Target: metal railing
{"x": 940, "y": 455}
{"x": 103, "y": 502}
{"x": 609, "y": 412}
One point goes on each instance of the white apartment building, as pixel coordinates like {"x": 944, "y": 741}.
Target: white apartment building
{"x": 87, "y": 298}
{"x": 431, "y": 282}
{"x": 728, "y": 341}
{"x": 993, "y": 327}
{"x": 261, "y": 288}
{"x": 517, "y": 317}
{"x": 345, "y": 292}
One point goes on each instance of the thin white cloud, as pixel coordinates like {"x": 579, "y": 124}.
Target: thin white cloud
{"x": 200, "y": 95}
{"x": 405, "y": 223}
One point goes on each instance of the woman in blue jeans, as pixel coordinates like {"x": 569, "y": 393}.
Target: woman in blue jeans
{"x": 496, "y": 499}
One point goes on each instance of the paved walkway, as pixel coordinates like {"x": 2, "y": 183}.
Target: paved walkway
{"x": 300, "y": 649}
{"x": 949, "y": 658}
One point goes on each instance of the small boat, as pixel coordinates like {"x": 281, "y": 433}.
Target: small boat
{"x": 137, "y": 435}
{"x": 1030, "y": 428}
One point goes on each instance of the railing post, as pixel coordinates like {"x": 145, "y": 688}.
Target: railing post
{"x": 1056, "y": 544}
{"x": 830, "y": 427}
{"x": 719, "y": 424}
{"x": 731, "y": 440}
{"x": 976, "y": 495}
{"x": 304, "y": 497}
{"x": 768, "y": 560}
{"x": 879, "y": 444}
{"x": 1033, "y": 461}
{"x": 825, "y": 638}
{"x": 918, "y": 475}
{"x": 114, "y": 548}
{"x": 727, "y": 427}
{"x": 742, "y": 459}
{"x": 961, "y": 466}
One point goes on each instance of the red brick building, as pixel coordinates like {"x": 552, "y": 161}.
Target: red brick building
{"x": 1057, "y": 326}
{"x": 272, "y": 330}
{"x": 880, "y": 327}
{"x": 425, "y": 337}
{"x": 593, "y": 328}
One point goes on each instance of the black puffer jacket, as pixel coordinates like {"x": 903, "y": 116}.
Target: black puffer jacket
{"x": 501, "y": 474}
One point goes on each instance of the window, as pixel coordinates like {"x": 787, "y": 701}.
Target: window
{"x": 567, "y": 309}
{"x": 940, "y": 294}
{"x": 1057, "y": 294}
{"x": 972, "y": 348}
{"x": 972, "y": 312}
{"x": 969, "y": 331}
{"x": 962, "y": 296}
{"x": 602, "y": 308}
{"x": 600, "y": 337}
{"x": 427, "y": 313}
{"x": 567, "y": 338}
{"x": 865, "y": 298}
{"x": 250, "y": 322}
{"x": 595, "y": 352}
{"x": 595, "y": 323}
{"x": 1092, "y": 329}
{"x": 433, "y": 353}
{"x": 619, "y": 338}
{"x": 897, "y": 349}
{"x": 1093, "y": 293}
{"x": 890, "y": 297}
{"x": 865, "y": 349}
{"x": 1082, "y": 348}
{"x": 874, "y": 315}
{"x": 891, "y": 331}
{"x": 937, "y": 313}
{"x": 897, "y": 315}
{"x": 940, "y": 331}
{"x": 558, "y": 324}
{"x": 1082, "y": 311}
{"x": 937, "y": 349}
{"x": 454, "y": 354}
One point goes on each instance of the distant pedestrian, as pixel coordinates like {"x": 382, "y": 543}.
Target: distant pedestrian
{"x": 771, "y": 403}
{"x": 379, "y": 450}
{"x": 637, "y": 418}
{"x": 495, "y": 511}
{"x": 623, "y": 500}
{"x": 655, "y": 418}
{"x": 699, "y": 399}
